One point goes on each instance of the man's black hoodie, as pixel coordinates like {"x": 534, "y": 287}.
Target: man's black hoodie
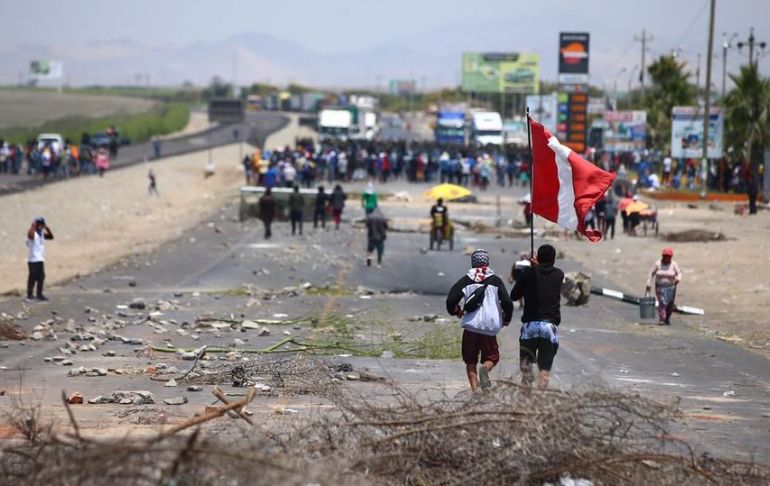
{"x": 541, "y": 288}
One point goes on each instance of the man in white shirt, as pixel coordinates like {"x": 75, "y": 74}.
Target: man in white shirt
{"x": 36, "y": 236}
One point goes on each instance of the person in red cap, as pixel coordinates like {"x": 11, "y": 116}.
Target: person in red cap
{"x": 665, "y": 274}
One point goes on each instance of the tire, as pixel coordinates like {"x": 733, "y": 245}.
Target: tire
{"x": 452, "y": 243}
{"x": 656, "y": 229}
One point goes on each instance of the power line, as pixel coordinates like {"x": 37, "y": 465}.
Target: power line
{"x": 644, "y": 39}
{"x": 692, "y": 23}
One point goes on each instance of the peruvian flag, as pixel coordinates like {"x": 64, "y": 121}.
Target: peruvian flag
{"x": 564, "y": 185}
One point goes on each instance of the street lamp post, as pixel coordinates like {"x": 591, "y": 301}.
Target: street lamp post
{"x": 615, "y": 89}
{"x": 726, "y": 44}
{"x": 630, "y": 80}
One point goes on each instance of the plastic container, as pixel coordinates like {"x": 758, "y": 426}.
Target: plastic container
{"x": 647, "y": 308}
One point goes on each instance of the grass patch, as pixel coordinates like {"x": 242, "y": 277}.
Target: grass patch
{"x": 141, "y": 127}
{"x": 329, "y": 291}
{"x": 233, "y": 292}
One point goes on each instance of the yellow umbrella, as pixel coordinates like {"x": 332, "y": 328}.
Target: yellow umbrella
{"x": 447, "y": 192}
{"x": 636, "y": 207}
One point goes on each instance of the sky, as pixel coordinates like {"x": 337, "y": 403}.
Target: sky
{"x": 336, "y": 26}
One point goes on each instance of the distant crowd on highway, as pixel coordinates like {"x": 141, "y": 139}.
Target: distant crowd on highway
{"x": 310, "y": 163}
{"x": 50, "y": 156}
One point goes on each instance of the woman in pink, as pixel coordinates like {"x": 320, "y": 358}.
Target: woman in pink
{"x": 665, "y": 274}
{"x": 102, "y": 162}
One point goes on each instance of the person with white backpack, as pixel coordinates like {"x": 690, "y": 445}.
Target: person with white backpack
{"x": 482, "y": 303}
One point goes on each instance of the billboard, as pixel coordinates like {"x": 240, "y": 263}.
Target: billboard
{"x": 573, "y": 57}
{"x": 501, "y": 72}
{"x": 626, "y": 131}
{"x": 687, "y": 132}
{"x": 403, "y": 87}
{"x": 44, "y": 69}
{"x": 543, "y": 109}
{"x": 572, "y": 120}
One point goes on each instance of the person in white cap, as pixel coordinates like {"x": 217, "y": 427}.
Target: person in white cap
{"x": 369, "y": 199}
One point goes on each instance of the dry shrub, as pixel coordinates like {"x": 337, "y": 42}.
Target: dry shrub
{"x": 11, "y": 332}
{"x": 510, "y": 436}
{"x": 520, "y": 436}
{"x": 177, "y": 460}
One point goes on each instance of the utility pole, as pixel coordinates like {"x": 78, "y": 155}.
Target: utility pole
{"x": 644, "y": 39}
{"x": 726, "y": 44}
{"x": 752, "y": 41}
{"x": 707, "y": 102}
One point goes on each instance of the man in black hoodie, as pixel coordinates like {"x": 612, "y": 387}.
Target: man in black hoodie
{"x": 540, "y": 286}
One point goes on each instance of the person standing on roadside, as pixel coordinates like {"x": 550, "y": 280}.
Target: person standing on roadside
{"x": 376, "y": 234}
{"x": 540, "y": 286}
{"x": 610, "y": 214}
{"x": 267, "y": 211}
{"x": 665, "y": 274}
{"x": 153, "y": 189}
{"x": 369, "y": 199}
{"x": 36, "y": 236}
{"x": 321, "y": 203}
{"x": 337, "y": 203}
{"x": 296, "y": 205}
{"x": 482, "y": 303}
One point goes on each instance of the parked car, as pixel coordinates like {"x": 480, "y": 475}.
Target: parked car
{"x": 102, "y": 140}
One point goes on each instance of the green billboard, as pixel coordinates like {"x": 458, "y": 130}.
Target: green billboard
{"x": 501, "y": 72}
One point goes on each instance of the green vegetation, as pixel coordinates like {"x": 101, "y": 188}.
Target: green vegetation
{"x": 329, "y": 290}
{"x": 747, "y": 108}
{"x": 138, "y": 128}
{"x": 670, "y": 87}
{"x": 187, "y": 94}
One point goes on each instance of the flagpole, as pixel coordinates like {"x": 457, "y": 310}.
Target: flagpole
{"x": 531, "y": 173}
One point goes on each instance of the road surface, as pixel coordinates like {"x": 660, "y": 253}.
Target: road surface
{"x": 724, "y": 390}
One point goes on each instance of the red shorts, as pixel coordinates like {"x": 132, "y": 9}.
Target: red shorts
{"x": 475, "y": 344}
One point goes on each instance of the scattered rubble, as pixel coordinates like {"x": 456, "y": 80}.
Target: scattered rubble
{"x": 576, "y": 288}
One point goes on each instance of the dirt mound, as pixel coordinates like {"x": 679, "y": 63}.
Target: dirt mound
{"x": 694, "y": 235}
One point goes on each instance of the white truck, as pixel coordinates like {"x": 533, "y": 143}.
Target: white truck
{"x": 486, "y": 128}
{"x": 334, "y": 124}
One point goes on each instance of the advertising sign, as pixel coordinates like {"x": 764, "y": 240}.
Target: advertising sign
{"x": 572, "y": 120}
{"x": 687, "y": 132}
{"x": 543, "y": 109}
{"x": 501, "y": 72}
{"x": 403, "y": 87}
{"x": 45, "y": 69}
{"x": 573, "y": 57}
{"x": 626, "y": 131}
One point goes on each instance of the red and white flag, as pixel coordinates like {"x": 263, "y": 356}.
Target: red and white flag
{"x": 565, "y": 186}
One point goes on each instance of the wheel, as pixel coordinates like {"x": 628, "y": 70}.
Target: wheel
{"x": 656, "y": 229}
{"x": 644, "y": 227}
{"x": 430, "y": 237}
{"x": 452, "y": 243}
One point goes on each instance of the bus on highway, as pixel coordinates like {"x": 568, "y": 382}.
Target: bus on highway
{"x": 450, "y": 127}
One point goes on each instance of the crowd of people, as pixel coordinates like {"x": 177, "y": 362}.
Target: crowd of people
{"x": 310, "y": 163}
{"x": 53, "y": 158}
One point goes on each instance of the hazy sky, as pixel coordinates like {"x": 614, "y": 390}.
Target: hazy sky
{"x": 331, "y": 26}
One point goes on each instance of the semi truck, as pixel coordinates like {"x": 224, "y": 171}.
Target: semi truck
{"x": 486, "y": 128}
{"x": 334, "y": 124}
{"x": 450, "y": 127}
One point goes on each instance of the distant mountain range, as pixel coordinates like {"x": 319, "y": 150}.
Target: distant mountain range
{"x": 432, "y": 58}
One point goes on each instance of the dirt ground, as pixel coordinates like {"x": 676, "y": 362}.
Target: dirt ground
{"x": 33, "y": 108}
{"x": 728, "y": 279}
{"x": 96, "y": 221}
